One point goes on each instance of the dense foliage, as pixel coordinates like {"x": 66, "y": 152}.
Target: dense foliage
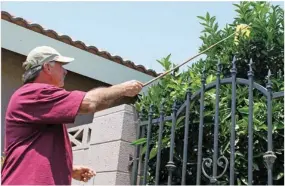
{"x": 264, "y": 45}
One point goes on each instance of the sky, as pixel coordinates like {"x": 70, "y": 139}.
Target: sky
{"x": 142, "y": 32}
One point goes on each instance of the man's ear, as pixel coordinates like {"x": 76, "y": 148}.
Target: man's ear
{"x": 47, "y": 68}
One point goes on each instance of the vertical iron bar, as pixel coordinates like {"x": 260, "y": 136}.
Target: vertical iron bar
{"x": 269, "y": 123}
{"x": 200, "y": 140}
{"x": 216, "y": 128}
{"x": 269, "y": 156}
{"x": 136, "y": 155}
{"x": 158, "y": 158}
{"x": 147, "y": 144}
{"x": 186, "y": 131}
{"x": 269, "y": 112}
{"x": 143, "y": 128}
{"x": 233, "y": 117}
{"x": 250, "y": 123}
{"x": 170, "y": 165}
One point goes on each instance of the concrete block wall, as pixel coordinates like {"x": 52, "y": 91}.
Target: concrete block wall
{"x": 104, "y": 145}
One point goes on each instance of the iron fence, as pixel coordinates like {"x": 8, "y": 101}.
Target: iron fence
{"x": 218, "y": 162}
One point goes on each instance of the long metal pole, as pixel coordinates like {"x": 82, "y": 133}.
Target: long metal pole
{"x": 167, "y": 72}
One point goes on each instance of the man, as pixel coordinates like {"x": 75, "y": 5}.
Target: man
{"x": 37, "y": 146}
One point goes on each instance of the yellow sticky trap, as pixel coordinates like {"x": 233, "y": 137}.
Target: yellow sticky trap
{"x": 243, "y": 30}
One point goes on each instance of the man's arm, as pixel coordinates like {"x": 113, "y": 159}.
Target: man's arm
{"x": 101, "y": 98}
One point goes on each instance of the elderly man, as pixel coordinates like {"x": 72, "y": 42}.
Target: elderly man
{"x": 37, "y": 146}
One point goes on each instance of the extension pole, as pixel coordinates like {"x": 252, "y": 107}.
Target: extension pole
{"x": 167, "y": 72}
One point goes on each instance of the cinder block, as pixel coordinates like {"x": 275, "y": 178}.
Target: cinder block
{"x": 129, "y": 127}
{"x": 123, "y": 178}
{"x": 80, "y": 157}
{"x": 110, "y": 178}
{"x": 75, "y": 182}
{"x": 105, "y": 156}
{"x": 107, "y": 128}
{"x": 124, "y": 107}
{"x": 125, "y": 151}
{"x": 111, "y": 156}
{"x": 104, "y": 178}
{"x": 117, "y": 126}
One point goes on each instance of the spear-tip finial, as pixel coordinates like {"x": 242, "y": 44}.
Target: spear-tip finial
{"x": 203, "y": 77}
{"x": 250, "y": 64}
{"x": 219, "y": 67}
{"x": 174, "y": 106}
{"x": 269, "y": 75}
{"x": 151, "y": 109}
{"x": 234, "y": 62}
{"x": 269, "y": 83}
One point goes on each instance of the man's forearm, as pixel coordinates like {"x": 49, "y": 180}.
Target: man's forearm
{"x": 101, "y": 98}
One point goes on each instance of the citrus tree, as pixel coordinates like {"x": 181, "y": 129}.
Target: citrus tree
{"x": 264, "y": 45}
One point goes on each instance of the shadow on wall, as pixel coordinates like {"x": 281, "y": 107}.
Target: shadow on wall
{"x": 81, "y": 120}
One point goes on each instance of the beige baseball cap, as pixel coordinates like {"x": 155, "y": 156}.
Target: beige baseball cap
{"x": 40, "y": 55}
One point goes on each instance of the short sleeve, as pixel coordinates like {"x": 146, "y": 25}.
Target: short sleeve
{"x": 55, "y": 105}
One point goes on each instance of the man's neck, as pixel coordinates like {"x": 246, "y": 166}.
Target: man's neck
{"x": 44, "y": 81}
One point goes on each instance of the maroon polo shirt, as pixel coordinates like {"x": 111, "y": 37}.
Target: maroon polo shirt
{"x": 37, "y": 146}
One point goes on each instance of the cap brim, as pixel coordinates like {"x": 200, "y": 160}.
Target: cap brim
{"x": 64, "y": 59}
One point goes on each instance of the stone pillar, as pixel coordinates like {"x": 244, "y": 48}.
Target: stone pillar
{"x": 105, "y": 145}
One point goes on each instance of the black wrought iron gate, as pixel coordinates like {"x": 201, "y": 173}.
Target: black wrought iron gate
{"x": 219, "y": 163}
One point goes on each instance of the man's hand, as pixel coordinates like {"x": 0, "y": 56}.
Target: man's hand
{"x": 82, "y": 173}
{"x": 132, "y": 88}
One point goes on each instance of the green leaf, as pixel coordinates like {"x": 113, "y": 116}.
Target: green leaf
{"x": 210, "y": 78}
{"x": 244, "y": 180}
{"x": 258, "y": 155}
{"x": 239, "y": 182}
{"x": 243, "y": 110}
{"x": 225, "y": 118}
{"x": 168, "y": 124}
{"x": 239, "y": 154}
{"x": 279, "y": 176}
{"x": 201, "y": 17}
{"x": 207, "y": 17}
{"x": 139, "y": 141}
{"x": 246, "y": 101}
{"x": 278, "y": 125}
{"x": 226, "y": 147}
{"x": 255, "y": 167}
{"x": 165, "y": 142}
{"x": 212, "y": 20}
{"x": 179, "y": 120}
{"x": 143, "y": 150}
{"x": 153, "y": 152}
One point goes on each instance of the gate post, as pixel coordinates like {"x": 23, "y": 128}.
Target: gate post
{"x": 107, "y": 149}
